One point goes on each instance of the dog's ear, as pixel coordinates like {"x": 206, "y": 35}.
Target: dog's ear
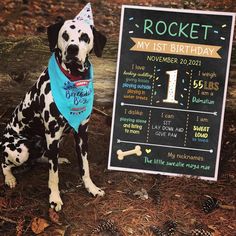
{"x": 99, "y": 42}
{"x": 52, "y": 32}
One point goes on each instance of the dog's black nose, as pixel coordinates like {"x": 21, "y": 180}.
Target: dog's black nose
{"x": 72, "y": 50}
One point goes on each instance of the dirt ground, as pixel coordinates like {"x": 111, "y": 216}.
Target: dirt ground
{"x": 134, "y": 204}
{"x": 177, "y": 199}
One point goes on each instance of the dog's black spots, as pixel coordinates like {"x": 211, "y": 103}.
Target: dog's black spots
{"x": 37, "y": 120}
{"x": 53, "y": 133}
{"x": 52, "y": 125}
{"x": 20, "y": 141}
{"x": 65, "y": 36}
{"x": 28, "y": 113}
{"x": 5, "y": 154}
{"x": 18, "y": 160}
{"x": 55, "y": 164}
{"x": 11, "y": 146}
{"x": 10, "y": 139}
{"x": 47, "y": 89}
{"x": 26, "y": 120}
{"x": 52, "y": 151}
{"x": 42, "y": 101}
{"x": 47, "y": 132}
{"x": 4, "y": 166}
{"x": 10, "y": 131}
{"x": 84, "y": 37}
{"x": 84, "y": 148}
{"x": 79, "y": 31}
{"x": 42, "y": 79}
{"x": 72, "y": 26}
{"x": 53, "y": 110}
{"x": 19, "y": 150}
{"x": 82, "y": 172}
{"x": 32, "y": 92}
{"x": 53, "y": 204}
{"x": 46, "y": 115}
{"x": 17, "y": 144}
{"x": 54, "y": 146}
{"x": 49, "y": 166}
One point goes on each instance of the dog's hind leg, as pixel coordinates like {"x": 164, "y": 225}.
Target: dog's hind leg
{"x": 81, "y": 140}
{"x": 10, "y": 180}
{"x": 15, "y": 154}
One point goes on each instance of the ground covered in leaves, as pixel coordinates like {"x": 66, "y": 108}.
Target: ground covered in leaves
{"x": 27, "y": 17}
{"x": 134, "y": 204}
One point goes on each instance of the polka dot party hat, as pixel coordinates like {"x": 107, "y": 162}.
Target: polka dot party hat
{"x": 86, "y": 15}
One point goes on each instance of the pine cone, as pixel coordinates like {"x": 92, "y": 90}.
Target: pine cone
{"x": 170, "y": 227}
{"x": 210, "y": 204}
{"x": 157, "y": 231}
{"x": 106, "y": 226}
{"x": 200, "y": 232}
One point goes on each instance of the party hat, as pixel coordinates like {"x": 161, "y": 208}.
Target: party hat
{"x": 86, "y": 15}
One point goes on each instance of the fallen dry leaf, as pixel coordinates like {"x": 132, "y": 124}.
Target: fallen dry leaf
{"x": 215, "y": 231}
{"x": 54, "y": 231}
{"x": 38, "y": 225}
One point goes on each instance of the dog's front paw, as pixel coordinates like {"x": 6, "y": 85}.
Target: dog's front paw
{"x": 93, "y": 189}
{"x": 98, "y": 192}
{"x": 10, "y": 181}
{"x": 55, "y": 202}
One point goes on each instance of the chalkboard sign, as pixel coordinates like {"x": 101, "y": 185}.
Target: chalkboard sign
{"x": 170, "y": 91}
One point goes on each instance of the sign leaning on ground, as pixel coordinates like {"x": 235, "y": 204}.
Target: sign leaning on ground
{"x": 170, "y": 91}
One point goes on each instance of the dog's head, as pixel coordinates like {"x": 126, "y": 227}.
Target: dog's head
{"x": 73, "y": 40}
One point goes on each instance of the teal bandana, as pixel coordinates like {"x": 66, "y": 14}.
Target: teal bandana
{"x": 74, "y": 99}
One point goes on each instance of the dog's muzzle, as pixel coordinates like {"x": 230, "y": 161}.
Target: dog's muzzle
{"x": 72, "y": 58}
{"x": 71, "y": 52}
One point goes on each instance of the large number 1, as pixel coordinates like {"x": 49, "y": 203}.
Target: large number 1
{"x": 171, "y": 87}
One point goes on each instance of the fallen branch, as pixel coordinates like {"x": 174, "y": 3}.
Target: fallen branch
{"x": 227, "y": 207}
{"x": 100, "y": 112}
{"x": 8, "y": 220}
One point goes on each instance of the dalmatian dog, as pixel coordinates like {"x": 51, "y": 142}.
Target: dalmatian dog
{"x": 37, "y": 126}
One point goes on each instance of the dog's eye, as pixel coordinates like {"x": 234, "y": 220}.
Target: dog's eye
{"x": 65, "y": 36}
{"x": 85, "y": 38}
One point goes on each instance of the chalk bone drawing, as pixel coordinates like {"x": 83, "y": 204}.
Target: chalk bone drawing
{"x": 122, "y": 155}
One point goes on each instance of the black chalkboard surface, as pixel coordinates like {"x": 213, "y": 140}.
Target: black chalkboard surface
{"x": 170, "y": 92}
